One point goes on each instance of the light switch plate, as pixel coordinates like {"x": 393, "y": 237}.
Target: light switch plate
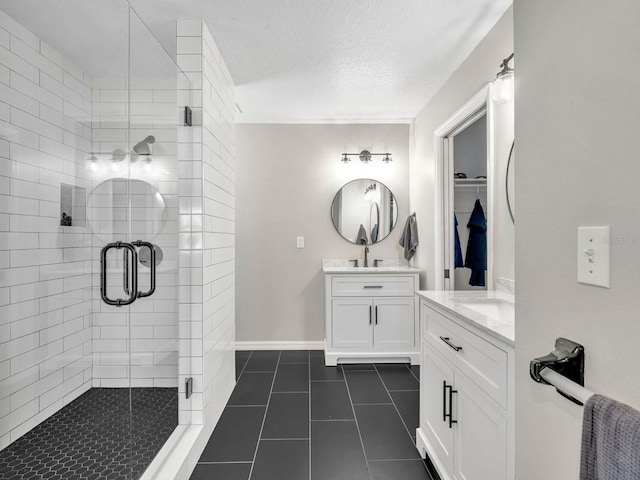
{"x": 594, "y": 256}
{"x": 300, "y": 242}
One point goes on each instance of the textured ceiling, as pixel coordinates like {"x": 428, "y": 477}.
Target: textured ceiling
{"x": 305, "y": 60}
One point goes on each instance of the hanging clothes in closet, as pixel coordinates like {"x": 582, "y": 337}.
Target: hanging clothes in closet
{"x": 458, "y": 261}
{"x": 476, "y": 257}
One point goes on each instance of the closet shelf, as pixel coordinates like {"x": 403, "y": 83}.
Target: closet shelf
{"x": 470, "y": 182}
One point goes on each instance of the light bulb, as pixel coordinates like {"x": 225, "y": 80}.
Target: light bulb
{"x": 503, "y": 88}
{"x": 147, "y": 164}
{"x": 93, "y": 165}
{"x": 115, "y": 165}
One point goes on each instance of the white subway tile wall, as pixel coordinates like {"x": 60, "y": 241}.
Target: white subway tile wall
{"x": 206, "y": 207}
{"x": 137, "y": 343}
{"x": 45, "y": 269}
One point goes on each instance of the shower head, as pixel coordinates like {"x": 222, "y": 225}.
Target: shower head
{"x": 143, "y": 147}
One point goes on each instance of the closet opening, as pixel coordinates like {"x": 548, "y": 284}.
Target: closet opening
{"x": 464, "y": 200}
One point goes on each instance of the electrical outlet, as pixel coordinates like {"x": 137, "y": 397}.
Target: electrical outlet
{"x": 300, "y": 242}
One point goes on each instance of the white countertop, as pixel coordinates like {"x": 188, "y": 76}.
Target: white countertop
{"x": 370, "y": 270}
{"x": 490, "y": 311}
{"x": 388, "y": 266}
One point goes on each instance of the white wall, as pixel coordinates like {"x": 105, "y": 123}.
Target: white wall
{"x": 287, "y": 178}
{"x": 207, "y": 228}
{"x": 475, "y": 72}
{"x": 577, "y": 112}
{"x": 45, "y": 322}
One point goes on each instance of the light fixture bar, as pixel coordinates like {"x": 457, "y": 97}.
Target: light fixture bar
{"x": 365, "y": 156}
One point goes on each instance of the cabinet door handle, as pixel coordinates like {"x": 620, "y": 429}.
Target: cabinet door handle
{"x": 451, "y": 420}
{"x": 448, "y": 342}
{"x": 373, "y": 286}
{"x": 444, "y": 401}
{"x": 376, "y": 314}
{"x": 448, "y": 415}
{"x": 369, "y": 314}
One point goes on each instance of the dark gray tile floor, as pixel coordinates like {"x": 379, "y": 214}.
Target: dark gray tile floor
{"x": 109, "y": 433}
{"x": 290, "y": 417}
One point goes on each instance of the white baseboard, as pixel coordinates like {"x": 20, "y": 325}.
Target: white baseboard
{"x": 280, "y": 345}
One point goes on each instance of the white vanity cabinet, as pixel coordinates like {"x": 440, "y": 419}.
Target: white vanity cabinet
{"x": 371, "y": 315}
{"x": 466, "y": 398}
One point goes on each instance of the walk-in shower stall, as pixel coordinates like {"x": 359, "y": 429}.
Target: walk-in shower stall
{"x": 89, "y": 126}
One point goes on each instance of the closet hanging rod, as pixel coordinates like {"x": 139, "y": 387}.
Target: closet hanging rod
{"x": 470, "y": 185}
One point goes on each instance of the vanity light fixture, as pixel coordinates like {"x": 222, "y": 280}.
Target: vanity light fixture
{"x": 502, "y": 91}
{"x": 93, "y": 165}
{"x": 116, "y": 159}
{"x": 365, "y": 156}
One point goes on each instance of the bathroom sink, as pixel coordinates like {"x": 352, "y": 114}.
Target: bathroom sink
{"x": 489, "y": 307}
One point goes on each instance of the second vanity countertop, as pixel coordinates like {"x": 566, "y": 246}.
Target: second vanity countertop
{"x": 490, "y": 311}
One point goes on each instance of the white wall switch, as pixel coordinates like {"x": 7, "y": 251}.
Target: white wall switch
{"x": 594, "y": 255}
{"x": 300, "y": 242}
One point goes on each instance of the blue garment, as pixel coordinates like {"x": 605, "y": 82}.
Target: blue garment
{"x": 476, "y": 258}
{"x": 458, "y": 262}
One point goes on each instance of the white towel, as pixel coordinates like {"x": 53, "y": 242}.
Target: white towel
{"x": 409, "y": 239}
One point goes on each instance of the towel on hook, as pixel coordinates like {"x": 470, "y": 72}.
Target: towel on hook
{"x": 610, "y": 441}
{"x": 458, "y": 261}
{"x": 409, "y": 238}
{"x": 361, "y": 239}
{"x": 476, "y": 258}
{"x": 374, "y": 233}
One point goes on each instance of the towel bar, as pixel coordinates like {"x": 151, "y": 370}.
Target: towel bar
{"x": 565, "y": 366}
{"x": 570, "y": 389}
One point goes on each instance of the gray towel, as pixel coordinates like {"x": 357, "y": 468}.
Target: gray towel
{"x": 361, "y": 239}
{"x": 409, "y": 239}
{"x": 610, "y": 441}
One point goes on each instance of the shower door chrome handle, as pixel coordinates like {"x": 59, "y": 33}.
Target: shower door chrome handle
{"x": 152, "y": 266}
{"x": 119, "y": 302}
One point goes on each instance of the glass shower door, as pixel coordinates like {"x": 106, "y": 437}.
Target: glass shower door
{"x": 153, "y": 214}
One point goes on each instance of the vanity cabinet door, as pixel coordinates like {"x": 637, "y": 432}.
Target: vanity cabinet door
{"x": 394, "y": 324}
{"x": 352, "y": 323}
{"x": 436, "y": 379}
{"x": 481, "y": 434}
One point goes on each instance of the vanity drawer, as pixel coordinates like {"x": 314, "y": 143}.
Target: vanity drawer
{"x": 373, "y": 286}
{"x": 481, "y": 361}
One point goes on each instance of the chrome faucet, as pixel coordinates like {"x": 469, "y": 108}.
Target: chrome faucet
{"x": 366, "y": 252}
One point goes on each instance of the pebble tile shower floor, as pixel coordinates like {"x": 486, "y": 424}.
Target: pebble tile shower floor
{"x": 292, "y": 418}
{"x": 91, "y": 438}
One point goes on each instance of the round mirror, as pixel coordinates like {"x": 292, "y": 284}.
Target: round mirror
{"x": 118, "y": 205}
{"x": 364, "y": 211}
{"x": 510, "y": 183}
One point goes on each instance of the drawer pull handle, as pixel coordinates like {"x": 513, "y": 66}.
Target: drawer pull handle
{"x": 369, "y": 314}
{"x": 448, "y": 342}
{"x": 373, "y": 286}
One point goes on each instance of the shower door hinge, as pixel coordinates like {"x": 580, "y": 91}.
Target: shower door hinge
{"x": 189, "y": 386}
{"x": 446, "y": 273}
{"x": 187, "y": 117}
